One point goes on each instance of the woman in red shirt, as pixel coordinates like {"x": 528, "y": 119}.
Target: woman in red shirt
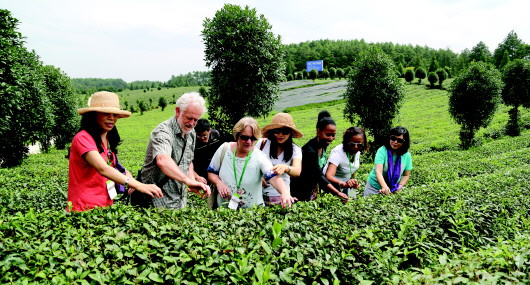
{"x": 92, "y": 158}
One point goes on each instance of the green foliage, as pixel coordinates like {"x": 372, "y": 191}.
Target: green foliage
{"x": 434, "y": 64}
{"x": 420, "y": 73}
{"x": 340, "y": 73}
{"x": 196, "y": 78}
{"x": 142, "y": 105}
{"x": 516, "y": 91}
{"x": 26, "y": 115}
{"x": 442, "y": 76}
{"x": 480, "y": 52}
{"x": 313, "y": 74}
{"x": 92, "y": 85}
{"x": 64, "y": 105}
{"x": 433, "y": 78}
{"x": 162, "y": 103}
{"x": 475, "y": 95}
{"x": 247, "y": 65}
{"x": 374, "y": 95}
{"x": 290, "y": 77}
{"x": 325, "y": 74}
{"x": 512, "y": 45}
{"x": 332, "y": 72}
{"x": 409, "y": 75}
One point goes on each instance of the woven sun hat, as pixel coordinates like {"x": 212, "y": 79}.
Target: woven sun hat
{"x": 282, "y": 120}
{"x": 104, "y": 102}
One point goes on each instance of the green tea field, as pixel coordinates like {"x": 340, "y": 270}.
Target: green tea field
{"x": 464, "y": 217}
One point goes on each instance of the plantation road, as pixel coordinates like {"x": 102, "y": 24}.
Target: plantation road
{"x": 305, "y": 95}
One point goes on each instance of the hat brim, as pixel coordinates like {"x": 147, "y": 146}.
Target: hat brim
{"x": 110, "y": 110}
{"x": 296, "y": 133}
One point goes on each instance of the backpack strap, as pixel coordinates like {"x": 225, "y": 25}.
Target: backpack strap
{"x": 263, "y": 142}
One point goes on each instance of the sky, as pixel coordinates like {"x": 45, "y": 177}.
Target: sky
{"x": 155, "y": 39}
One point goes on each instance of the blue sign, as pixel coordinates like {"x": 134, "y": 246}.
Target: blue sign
{"x": 315, "y": 64}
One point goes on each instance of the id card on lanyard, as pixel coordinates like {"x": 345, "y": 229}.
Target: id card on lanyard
{"x": 235, "y": 200}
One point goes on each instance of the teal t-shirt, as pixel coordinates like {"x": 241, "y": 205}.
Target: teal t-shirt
{"x": 381, "y": 157}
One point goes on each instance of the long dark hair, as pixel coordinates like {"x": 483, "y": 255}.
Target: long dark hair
{"x": 350, "y": 133}
{"x": 287, "y": 147}
{"x": 397, "y": 131}
{"x": 89, "y": 124}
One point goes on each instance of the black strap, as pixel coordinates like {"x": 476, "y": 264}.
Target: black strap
{"x": 165, "y": 179}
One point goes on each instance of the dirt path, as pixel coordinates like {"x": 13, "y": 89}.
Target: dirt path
{"x": 313, "y": 94}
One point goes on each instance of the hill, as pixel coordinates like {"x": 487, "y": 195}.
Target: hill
{"x": 463, "y": 218}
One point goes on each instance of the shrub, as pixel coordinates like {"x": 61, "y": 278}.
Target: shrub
{"x": 516, "y": 92}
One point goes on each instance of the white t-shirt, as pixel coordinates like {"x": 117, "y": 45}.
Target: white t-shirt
{"x": 345, "y": 168}
{"x": 257, "y": 166}
{"x": 297, "y": 153}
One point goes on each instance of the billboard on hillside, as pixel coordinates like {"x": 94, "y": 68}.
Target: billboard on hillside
{"x": 314, "y": 64}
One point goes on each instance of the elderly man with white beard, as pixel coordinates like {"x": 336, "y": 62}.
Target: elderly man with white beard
{"x": 169, "y": 155}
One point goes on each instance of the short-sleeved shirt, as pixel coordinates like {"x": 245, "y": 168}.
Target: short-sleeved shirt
{"x": 345, "y": 168}
{"x": 257, "y": 166}
{"x": 167, "y": 138}
{"x": 86, "y": 187}
{"x": 297, "y": 153}
{"x": 381, "y": 157}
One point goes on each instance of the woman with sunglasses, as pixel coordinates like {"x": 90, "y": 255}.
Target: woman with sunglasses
{"x": 236, "y": 170}
{"x": 93, "y": 161}
{"x": 286, "y": 156}
{"x": 393, "y": 164}
{"x": 305, "y": 187}
{"x": 344, "y": 160}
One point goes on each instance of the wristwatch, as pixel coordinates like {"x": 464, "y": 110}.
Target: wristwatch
{"x": 126, "y": 183}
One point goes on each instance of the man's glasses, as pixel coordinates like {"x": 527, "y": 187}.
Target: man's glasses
{"x": 358, "y": 145}
{"x": 283, "y": 131}
{"x": 246, "y": 138}
{"x": 399, "y": 140}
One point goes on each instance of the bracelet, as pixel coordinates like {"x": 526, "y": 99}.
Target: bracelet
{"x": 288, "y": 169}
{"x": 126, "y": 183}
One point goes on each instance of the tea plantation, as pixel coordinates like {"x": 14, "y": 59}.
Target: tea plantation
{"x": 464, "y": 218}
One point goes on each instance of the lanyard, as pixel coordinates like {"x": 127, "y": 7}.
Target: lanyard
{"x": 349, "y": 163}
{"x": 238, "y": 184}
{"x": 109, "y": 154}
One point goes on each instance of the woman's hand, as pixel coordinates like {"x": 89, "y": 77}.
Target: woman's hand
{"x": 281, "y": 169}
{"x": 149, "y": 189}
{"x": 343, "y": 197}
{"x": 264, "y": 183}
{"x": 288, "y": 200}
{"x": 385, "y": 190}
{"x": 224, "y": 191}
{"x": 352, "y": 183}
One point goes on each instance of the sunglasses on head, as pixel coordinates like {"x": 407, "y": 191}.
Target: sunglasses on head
{"x": 354, "y": 144}
{"x": 284, "y": 131}
{"x": 246, "y": 138}
{"x": 399, "y": 140}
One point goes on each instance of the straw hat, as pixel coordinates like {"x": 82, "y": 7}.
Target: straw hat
{"x": 282, "y": 120}
{"x": 104, "y": 102}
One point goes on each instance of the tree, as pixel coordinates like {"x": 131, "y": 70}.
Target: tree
{"x": 420, "y": 74}
{"x": 374, "y": 94}
{"x": 60, "y": 91}
{"x": 340, "y": 73}
{"x": 246, "y": 61}
{"x": 442, "y": 75}
{"x": 325, "y": 74}
{"x": 332, "y": 72}
{"x": 475, "y": 95}
{"x": 434, "y": 64}
{"x": 162, "y": 102}
{"x": 313, "y": 74}
{"x": 505, "y": 60}
{"x": 511, "y": 44}
{"x": 480, "y": 52}
{"x": 142, "y": 106}
{"x": 26, "y": 115}
{"x": 433, "y": 78}
{"x": 516, "y": 91}
{"x": 305, "y": 74}
{"x": 409, "y": 75}
{"x": 290, "y": 77}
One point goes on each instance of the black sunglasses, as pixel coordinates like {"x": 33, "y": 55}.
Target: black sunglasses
{"x": 284, "y": 131}
{"x": 246, "y": 138}
{"x": 399, "y": 140}
{"x": 353, "y": 144}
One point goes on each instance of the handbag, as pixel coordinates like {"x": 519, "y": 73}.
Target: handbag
{"x": 212, "y": 199}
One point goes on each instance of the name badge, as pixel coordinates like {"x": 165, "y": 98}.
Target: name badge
{"x": 111, "y": 189}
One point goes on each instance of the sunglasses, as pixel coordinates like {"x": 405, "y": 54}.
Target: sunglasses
{"x": 246, "y": 138}
{"x": 399, "y": 140}
{"x": 284, "y": 131}
{"x": 358, "y": 145}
